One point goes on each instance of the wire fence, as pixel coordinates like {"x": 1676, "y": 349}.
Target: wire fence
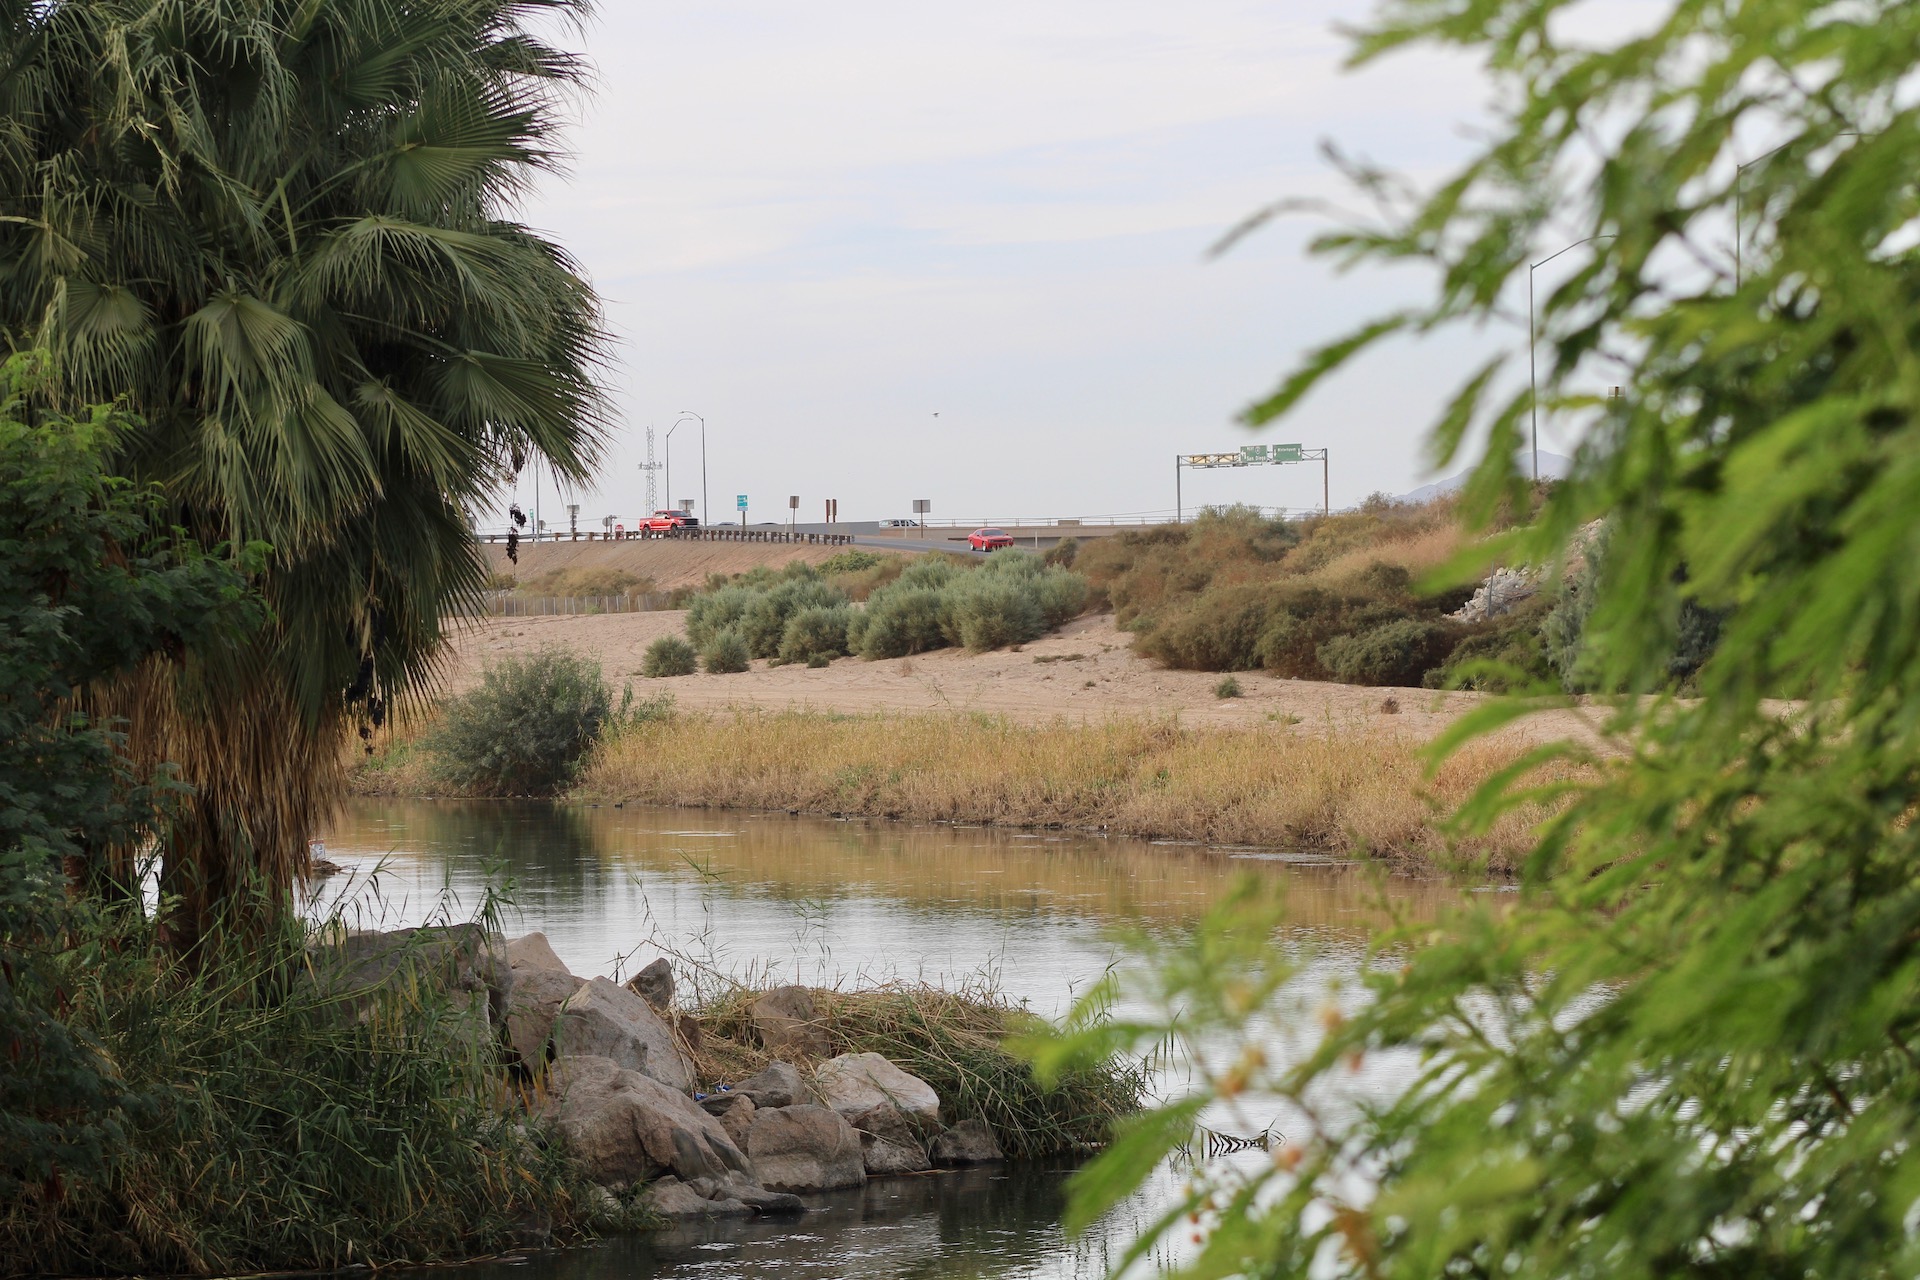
{"x": 515, "y": 604}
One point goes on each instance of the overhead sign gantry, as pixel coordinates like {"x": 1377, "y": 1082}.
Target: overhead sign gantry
{"x": 1250, "y": 455}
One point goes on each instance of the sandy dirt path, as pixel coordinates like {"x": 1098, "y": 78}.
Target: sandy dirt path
{"x": 1085, "y": 671}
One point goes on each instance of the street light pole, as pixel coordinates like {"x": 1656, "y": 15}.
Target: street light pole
{"x": 1739, "y": 188}
{"x": 684, "y": 415}
{"x": 669, "y": 466}
{"x": 1533, "y": 378}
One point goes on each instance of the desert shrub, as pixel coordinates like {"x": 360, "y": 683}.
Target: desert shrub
{"x": 668, "y": 656}
{"x": 1399, "y": 653}
{"x": 819, "y": 631}
{"x": 724, "y": 653}
{"x": 1062, "y": 553}
{"x": 852, "y": 560}
{"x": 1228, "y": 688}
{"x": 989, "y": 611}
{"x": 1218, "y": 630}
{"x": 899, "y": 621}
{"x": 1501, "y": 656}
{"x": 932, "y": 571}
{"x": 525, "y": 729}
{"x": 719, "y": 610}
{"x": 763, "y": 623}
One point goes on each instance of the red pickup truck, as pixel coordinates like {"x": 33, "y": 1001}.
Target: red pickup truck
{"x": 662, "y": 520}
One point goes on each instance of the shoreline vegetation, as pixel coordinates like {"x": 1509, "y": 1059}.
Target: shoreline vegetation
{"x": 1364, "y": 792}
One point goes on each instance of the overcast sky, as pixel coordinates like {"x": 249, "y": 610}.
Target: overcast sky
{"x": 821, "y": 226}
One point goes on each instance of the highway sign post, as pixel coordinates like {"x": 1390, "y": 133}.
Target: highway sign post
{"x": 1251, "y": 455}
{"x": 740, "y": 501}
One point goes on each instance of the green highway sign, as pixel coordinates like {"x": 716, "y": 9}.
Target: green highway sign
{"x": 1286, "y": 453}
{"x": 741, "y": 502}
{"x": 1253, "y": 453}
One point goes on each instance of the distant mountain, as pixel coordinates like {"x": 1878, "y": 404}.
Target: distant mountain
{"x": 1552, "y": 467}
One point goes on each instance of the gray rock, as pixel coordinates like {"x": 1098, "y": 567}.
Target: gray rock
{"x": 882, "y": 1157}
{"x": 534, "y": 952}
{"x": 671, "y": 1198}
{"x": 761, "y": 1200}
{"x": 787, "y": 1022}
{"x": 532, "y": 1006}
{"x": 625, "y": 1127}
{"x": 969, "y": 1142}
{"x": 804, "y": 1148}
{"x": 778, "y": 1086}
{"x": 734, "y": 1111}
{"x": 654, "y": 984}
{"x": 362, "y": 969}
{"x": 605, "y": 1021}
{"x": 856, "y": 1083}
{"x": 1502, "y": 592}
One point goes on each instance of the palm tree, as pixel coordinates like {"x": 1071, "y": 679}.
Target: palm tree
{"x": 280, "y": 231}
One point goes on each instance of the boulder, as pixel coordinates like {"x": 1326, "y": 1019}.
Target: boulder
{"x": 804, "y": 1148}
{"x": 625, "y": 1127}
{"x": 856, "y": 1083}
{"x": 734, "y": 1111}
{"x": 654, "y": 984}
{"x": 969, "y": 1142}
{"x": 532, "y": 1006}
{"x": 882, "y": 1157}
{"x": 605, "y": 1021}
{"x": 672, "y": 1198}
{"x": 787, "y": 1022}
{"x": 778, "y": 1086}
{"x": 761, "y": 1200}
{"x": 534, "y": 952}
{"x": 462, "y": 959}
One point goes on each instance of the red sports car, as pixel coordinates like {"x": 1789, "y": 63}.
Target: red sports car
{"x": 989, "y": 539}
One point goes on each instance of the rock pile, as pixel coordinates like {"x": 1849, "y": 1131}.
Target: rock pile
{"x": 608, "y": 1065}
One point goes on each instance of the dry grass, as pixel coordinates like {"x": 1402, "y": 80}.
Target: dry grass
{"x": 957, "y": 1041}
{"x": 1359, "y": 791}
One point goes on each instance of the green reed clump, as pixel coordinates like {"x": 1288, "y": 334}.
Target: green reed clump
{"x": 262, "y": 1124}
{"x": 959, "y": 1043}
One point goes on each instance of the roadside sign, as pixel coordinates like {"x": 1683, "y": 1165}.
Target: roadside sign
{"x": 741, "y": 502}
{"x": 1253, "y": 452}
{"x": 1286, "y": 453}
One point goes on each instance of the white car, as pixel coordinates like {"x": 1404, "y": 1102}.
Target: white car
{"x": 899, "y": 524}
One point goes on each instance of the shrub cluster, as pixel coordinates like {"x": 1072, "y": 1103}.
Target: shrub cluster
{"x": 937, "y": 602}
{"x": 1329, "y": 598}
{"x": 668, "y": 656}
{"x": 525, "y": 729}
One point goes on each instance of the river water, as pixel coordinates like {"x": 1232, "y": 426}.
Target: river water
{"x": 823, "y": 902}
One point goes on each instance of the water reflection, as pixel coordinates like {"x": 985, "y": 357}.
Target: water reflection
{"x": 822, "y": 901}
{"x": 819, "y": 900}
{"x": 976, "y": 1222}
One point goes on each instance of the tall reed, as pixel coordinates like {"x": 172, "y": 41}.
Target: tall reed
{"x": 262, "y": 1124}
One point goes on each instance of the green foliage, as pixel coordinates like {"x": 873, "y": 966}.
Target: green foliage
{"x": 901, "y": 620}
{"x": 526, "y": 728}
{"x": 1228, "y": 688}
{"x": 819, "y": 631}
{"x": 716, "y": 611}
{"x": 280, "y": 233}
{"x": 763, "y": 623}
{"x": 724, "y": 653}
{"x": 1505, "y": 655}
{"x": 670, "y": 655}
{"x": 88, "y": 589}
{"x": 258, "y": 1126}
{"x": 1689, "y": 1045}
{"x": 852, "y": 560}
{"x": 1398, "y": 653}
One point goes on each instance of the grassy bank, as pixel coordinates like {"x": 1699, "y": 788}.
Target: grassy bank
{"x": 958, "y": 1042}
{"x": 1357, "y": 792}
